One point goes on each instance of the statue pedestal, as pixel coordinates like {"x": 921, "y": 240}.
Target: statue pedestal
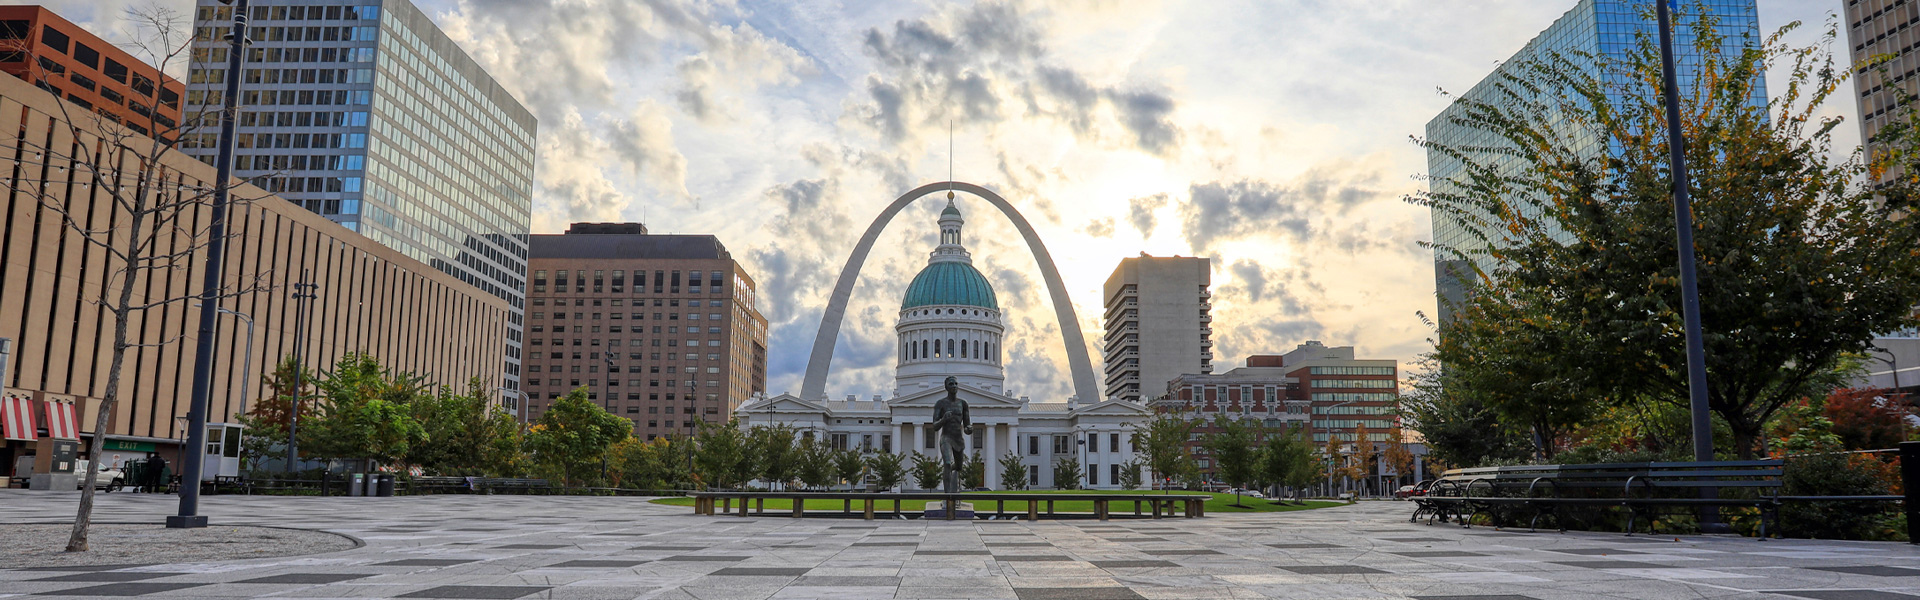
{"x": 937, "y": 509}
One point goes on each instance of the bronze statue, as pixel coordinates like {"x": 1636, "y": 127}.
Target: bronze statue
{"x": 950, "y": 419}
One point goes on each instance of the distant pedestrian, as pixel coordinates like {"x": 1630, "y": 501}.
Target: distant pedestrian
{"x": 154, "y": 474}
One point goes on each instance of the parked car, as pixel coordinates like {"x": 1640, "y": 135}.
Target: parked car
{"x": 1411, "y": 491}
{"x": 109, "y": 479}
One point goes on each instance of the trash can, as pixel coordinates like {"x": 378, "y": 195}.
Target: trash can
{"x": 356, "y": 484}
{"x": 384, "y": 487}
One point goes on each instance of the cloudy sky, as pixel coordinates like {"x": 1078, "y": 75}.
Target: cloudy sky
{"x": 1269, "y": 135}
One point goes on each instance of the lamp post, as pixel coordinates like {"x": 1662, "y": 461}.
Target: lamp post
{"x": 1329, "y": 446}
{"x": 303, "y": 294}
{"x": 246, "y": 370}
{"x": 189, "y": 515}
{"x": 1683, "y": 227}
{"x": 1893, "y": 364}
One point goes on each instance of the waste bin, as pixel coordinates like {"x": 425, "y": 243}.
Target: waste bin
{"x": 357, "y": 484}
{"x": 384, "y": 487}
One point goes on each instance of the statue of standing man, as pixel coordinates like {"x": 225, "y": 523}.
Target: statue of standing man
{"x": 950, "y": 419}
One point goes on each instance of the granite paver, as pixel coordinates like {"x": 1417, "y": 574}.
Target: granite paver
{"x": 594, "y": 548}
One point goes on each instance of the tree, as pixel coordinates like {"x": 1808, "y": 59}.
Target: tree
{"x": 572, "y": 437}
{"x": 1868, "y": 419}
{"x": 469, "y": 436}
{"x": 927, "y": 472}
{"x": 645, "y": 464}
{"x": 131, "y": 210}
{"x": 815, "y": 467}
{"x": 1163, "y": 440}
{"x": 888, "y": 469}
{"x": 1397, "y": 457}
{"x": 266, "y": 422}
{"x": 1802, "y": 254}
{"x": 1231, "y": 444}
{"x": 848, "y": 467}
{"x": 973, "y": 474}
{"x": 723, "y": 456}
{"x": 363, "y": 412}
{"x": 1130, "y": 474}
{"x": 1287, "y": 459}
{"x": 1459, "y": 428}
{"x": 1013, "y": 471}
{"x": 774, "y": 453}
{"x": 1366, "y": 459}
{"x": 1066, "y": 473}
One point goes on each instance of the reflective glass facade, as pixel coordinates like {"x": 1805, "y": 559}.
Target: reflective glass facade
{"x": 1604, "y": 28}
{"x": 365, "y": 112}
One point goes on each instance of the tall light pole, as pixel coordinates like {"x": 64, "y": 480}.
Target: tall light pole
{"x": 303, "y": 296}
{"x": 1329, "y": 447}
{"x": 1683, "y": 226}
{"x": 247, "y": 370}
{"x": 189, "y": 515}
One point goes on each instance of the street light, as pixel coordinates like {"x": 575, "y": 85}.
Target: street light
{"x": 189, "y": 516}
{"x": 1329, "y": 446}
{"x": 303, "y": 296}
{"x": 247, "y": 370}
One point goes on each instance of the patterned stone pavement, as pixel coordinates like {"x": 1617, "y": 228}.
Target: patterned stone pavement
{"x": 625, "y": 548}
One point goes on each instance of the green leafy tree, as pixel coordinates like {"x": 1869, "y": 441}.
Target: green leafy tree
{"x": 888, "y": 469}
{"x": 926, "y": 471}
{"x": 1232, "y": 444}
{"x": 1163, "y": 440}
{"x": 723, "y": 456}
{"x": 1066, "y": 473}
{"x": 363, "y": 412}
{"x": 774, "y": 453}
{"x": 1013, "y": 472}
{"x": 571, "y": 439}
{"x": 848, "y": 467}
{"x": 1286, "y": 457}
{"x": 1130, "y": 474}
{"x": 1459, "y": 428}
{"x": 815, "y": 465}
{"x": 469, "y": 436}
{"x": 973, "y": 474}
{"x": 645, "y": 464}
{"x": 1802, "y": 254}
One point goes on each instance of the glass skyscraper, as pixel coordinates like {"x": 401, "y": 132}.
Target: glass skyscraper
{"x": 365, "y": 112}
{"x": 1601, "y": 28}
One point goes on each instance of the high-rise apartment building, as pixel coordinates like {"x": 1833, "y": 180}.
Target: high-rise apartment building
{"x": 1882, "y": 28}
{"x": 1159, "y": 324}
{"x": 661, "y": 329}
{"x": 1604, "y": 29}
{"x": 365, "y": 112}
{"x": 43, "y": 49}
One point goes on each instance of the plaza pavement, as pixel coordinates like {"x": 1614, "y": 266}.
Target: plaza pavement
{"x": 625, "y": 548}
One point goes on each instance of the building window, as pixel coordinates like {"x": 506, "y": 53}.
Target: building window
{"x": 1033, "y": 445}
{"x": 1033, "y": 474}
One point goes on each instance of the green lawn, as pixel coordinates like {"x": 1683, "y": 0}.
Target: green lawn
{"x": 1062, "y": 502}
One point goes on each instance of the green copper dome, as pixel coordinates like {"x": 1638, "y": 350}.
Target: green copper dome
{"x": 950, "y": 283}
{"x": 951, "y": 210}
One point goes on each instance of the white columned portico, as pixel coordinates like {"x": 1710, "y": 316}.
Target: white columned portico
{"x": 990, "y": 480}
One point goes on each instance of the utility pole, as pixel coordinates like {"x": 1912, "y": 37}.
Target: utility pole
{"x": 1683, "y": 224}
{"x": 303, "y": 294}
{"x": 189, "y": 516}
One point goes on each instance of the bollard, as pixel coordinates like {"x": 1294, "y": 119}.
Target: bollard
{"x": 1910, "y": 485}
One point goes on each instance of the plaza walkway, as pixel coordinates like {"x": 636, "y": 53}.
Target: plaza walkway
{"x": 593, "y": 548}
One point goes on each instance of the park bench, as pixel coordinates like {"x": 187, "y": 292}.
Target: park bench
{"x": 1643, "y": 490}
{"x": 224, "y": 484}
{"x": 494, "y": 485}
{"x": 871, "y": 503}
{"x": 441, "y": 485}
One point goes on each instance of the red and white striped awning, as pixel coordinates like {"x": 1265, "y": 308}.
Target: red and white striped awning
{"x": 61, "y": 424}
{"x": 16, "y": 418}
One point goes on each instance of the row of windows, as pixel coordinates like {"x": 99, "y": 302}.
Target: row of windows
{"x": 634, "y": 356}
{"x": 300, "y": 162}
{"x": 636, "y": 316}
{"x": 1352, "y": 397}
{"x": 1351, "y": 370}
{"x": 615, "y": 342}
{"x": 617, "y": 329}
{"x": 290, "y": 34}
{"x": 637, "y": 302}
{"x": 1352, "y": 410}
{"x": 1354, "y": 383}
{"x": 293, "y": 13}
{"x": 661, "y": 280}
{"x": 349, "y": 185}
{"x": 671, "y": 369}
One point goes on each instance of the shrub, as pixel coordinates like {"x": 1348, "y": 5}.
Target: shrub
{"x": 1836, "y": 475}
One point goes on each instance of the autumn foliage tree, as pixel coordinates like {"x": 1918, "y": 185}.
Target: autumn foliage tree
{"x": 1868, "y": 419}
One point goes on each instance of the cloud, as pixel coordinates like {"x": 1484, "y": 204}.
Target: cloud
{"x": 1218, "y": 211}
{"x": 1140, "y": 213}
{"x": 1100, "y": 228}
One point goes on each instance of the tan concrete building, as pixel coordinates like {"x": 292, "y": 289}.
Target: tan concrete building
{"x": 1876, "y": 28}
{"x": 370, "y": 299}
{"x": 1159, "y": 321}
{"x": 663, "y": 330}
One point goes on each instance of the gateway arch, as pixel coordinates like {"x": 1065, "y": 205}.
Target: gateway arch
{"x": 815, "y": 385}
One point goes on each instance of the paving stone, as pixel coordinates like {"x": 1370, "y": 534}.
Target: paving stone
{"x": 477, "y": 592}
{"x": 1302, "y": 546}
{"x": 1592, "y": 551}
{"x": 1846, "y": 594}
{"x": 1077, "y": 593}
{"x": 1416, "y": 540}
{"x": 698, "y": 558}
{"x": 1438, "y": 554}
{"x": 123, "y": 589}
{"x": 1131, "y": 564}
{"x": 1611, "y": 564}
{"x": 761, "y": 572}
{"x": 1180, "y": 552}
{"x": 426, "y": 562}
{"x": 84, "y": 568}
{"x": 1875, "y": 570}
{"x": 99, "y": 576}
{"x": 1331, "y": 569}
{"x": 952, "y": 553}
{"x": 1031, "y": 558}
{"x": 596, "y": 564}
{"x": 529, "y": 546}
{"x": 1481, "y": 597}
{"x": 305, "y": 578}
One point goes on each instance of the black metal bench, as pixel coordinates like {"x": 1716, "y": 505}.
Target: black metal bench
{"x": 440, "y": 485}
{"x": 1504, "y": 494}
{"x": 492, "y": 485}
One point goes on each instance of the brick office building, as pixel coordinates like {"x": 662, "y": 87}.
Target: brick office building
{"x": 660, "y": 329}
{"x": 43, "y": 49}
